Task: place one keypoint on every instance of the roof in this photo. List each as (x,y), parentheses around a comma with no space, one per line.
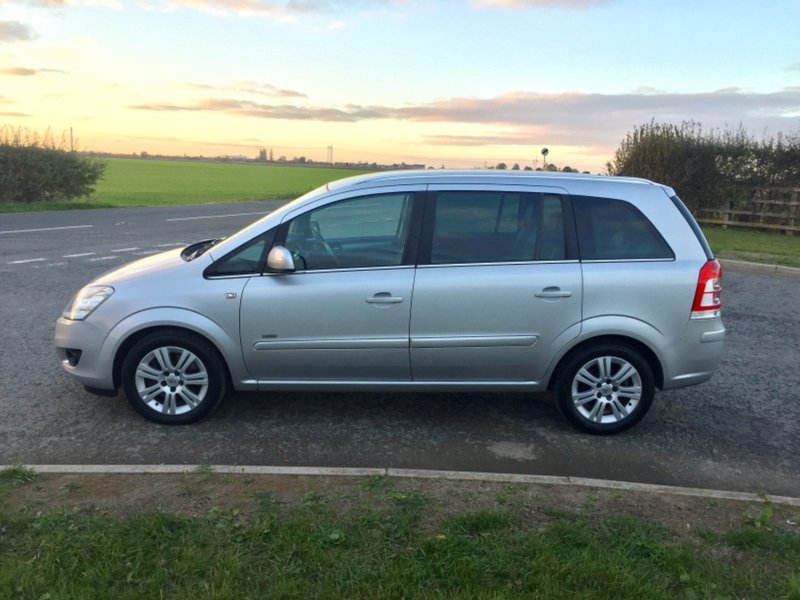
(488,176)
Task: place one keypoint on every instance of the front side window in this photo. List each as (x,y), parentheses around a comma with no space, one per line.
(611,229)
(368,231)
(476,227)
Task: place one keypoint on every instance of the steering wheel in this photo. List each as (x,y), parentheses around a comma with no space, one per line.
(320,239)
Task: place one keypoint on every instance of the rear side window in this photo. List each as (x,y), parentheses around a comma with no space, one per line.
(610,229)
(480,227)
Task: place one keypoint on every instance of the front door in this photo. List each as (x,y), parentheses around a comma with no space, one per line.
(344,314)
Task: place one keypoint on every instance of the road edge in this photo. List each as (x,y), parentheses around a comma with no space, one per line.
(759,267)
(410,474)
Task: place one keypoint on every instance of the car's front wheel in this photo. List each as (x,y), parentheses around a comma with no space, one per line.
(173,377)
(605,388)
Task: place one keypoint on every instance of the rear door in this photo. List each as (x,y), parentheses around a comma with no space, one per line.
(498,286)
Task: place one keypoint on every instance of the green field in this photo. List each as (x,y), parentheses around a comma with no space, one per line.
(139,182)
(151,182)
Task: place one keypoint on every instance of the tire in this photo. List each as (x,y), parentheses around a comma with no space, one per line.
(605,388)
(173,377)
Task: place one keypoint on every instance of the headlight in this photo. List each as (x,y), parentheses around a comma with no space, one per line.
(86,301)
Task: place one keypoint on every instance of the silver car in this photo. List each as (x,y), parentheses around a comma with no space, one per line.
(600,289)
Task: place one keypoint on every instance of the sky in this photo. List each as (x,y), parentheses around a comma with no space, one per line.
(456,83)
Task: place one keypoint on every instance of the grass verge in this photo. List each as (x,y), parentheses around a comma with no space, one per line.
(203,535)
(754,246)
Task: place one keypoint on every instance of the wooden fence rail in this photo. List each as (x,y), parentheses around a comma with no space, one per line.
(775,209)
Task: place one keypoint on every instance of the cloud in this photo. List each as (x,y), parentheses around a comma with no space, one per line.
(528,108)
(17,71)
(290,10)
(247,108)
(14,31)
(7,113)
(523,4)
(249,87)
(265,8)
(25,72)
(595,121)
(509,138)
(794,67)
(37,3)
(164,107)
(64,3)
(277,9)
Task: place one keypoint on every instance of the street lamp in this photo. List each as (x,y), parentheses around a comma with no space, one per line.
(545,152)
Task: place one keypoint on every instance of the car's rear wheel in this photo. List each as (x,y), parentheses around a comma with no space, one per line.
(173,377)
(605,388)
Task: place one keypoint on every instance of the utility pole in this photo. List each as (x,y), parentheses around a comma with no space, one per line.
(71,143)
(330,155)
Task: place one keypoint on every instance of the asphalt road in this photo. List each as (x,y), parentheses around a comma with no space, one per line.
(736,432)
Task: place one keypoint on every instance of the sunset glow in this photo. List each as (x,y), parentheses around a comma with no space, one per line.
(459,83)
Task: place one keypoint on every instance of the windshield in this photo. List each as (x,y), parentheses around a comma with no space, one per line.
(258,227)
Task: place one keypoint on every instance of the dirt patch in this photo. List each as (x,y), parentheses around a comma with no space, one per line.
(195,494)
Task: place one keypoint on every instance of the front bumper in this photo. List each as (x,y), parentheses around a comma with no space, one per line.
(94,367)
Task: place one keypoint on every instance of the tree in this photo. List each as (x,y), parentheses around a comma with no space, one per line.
(35,168)
(501,166)
(515,167)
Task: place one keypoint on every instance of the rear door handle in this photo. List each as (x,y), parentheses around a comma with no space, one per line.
(553,292)
(384,298)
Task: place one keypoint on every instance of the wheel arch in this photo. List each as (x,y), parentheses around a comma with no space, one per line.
(136,327)
(646,352)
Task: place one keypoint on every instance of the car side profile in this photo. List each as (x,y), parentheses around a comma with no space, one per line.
(601,289)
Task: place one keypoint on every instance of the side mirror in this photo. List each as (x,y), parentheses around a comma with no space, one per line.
(280,260)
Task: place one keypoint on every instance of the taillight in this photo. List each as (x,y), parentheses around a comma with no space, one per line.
(707,303)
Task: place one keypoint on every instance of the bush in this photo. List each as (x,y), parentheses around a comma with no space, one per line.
(678,156)
(34,169)
(745,161)
(704,168)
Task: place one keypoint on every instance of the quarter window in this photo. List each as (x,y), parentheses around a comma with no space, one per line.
(368,231)
(611,229)
(476,227)
(245,260)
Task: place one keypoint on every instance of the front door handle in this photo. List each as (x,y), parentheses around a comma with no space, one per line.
(384,298)
(553,292)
